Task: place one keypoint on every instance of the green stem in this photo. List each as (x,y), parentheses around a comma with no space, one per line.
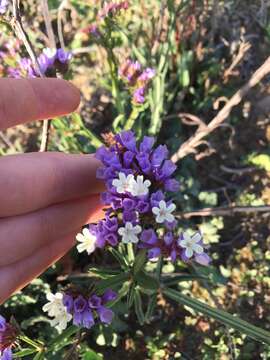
(131,120)
(30,342)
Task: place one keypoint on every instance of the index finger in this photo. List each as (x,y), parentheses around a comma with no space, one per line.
(26,100)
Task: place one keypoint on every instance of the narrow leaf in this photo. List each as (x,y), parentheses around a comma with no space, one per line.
(138,307)
(139,261)
(222,316)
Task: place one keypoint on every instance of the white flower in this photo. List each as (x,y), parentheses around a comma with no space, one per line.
(50,52)
(139,187)
(55,308)
(129,233)
(61,321)
(123,183)
(87,240)
(163,213)
(191,244)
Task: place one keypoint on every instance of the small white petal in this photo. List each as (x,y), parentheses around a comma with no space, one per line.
(171,207)
(188,252)
(170,218)
(198,249)
(197,237)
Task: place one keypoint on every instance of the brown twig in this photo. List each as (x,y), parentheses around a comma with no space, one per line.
(59,22)
(225,211)
(190,145)
(17,25)
(48,23)
(243,48)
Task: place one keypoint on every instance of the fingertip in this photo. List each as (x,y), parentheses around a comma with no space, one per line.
(56,97)
(72,95)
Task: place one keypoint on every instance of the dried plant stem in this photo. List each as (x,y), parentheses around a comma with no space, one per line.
(17,25)
(48,23)
(190,145)
(59,22)
(225,211)
(22,35)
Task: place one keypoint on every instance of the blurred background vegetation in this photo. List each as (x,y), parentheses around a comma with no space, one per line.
(203,52)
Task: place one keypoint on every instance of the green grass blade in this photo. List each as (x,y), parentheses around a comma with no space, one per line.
(220,315)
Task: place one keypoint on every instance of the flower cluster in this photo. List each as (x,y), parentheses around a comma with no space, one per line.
(83,310)
(139,179)
(136,78)
(54,59)
(50,61)
(112,8)
(8,335)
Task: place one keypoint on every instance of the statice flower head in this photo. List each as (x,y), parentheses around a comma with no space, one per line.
(86,311)
(111,9)
(136,78)
(8,335)
(139,179)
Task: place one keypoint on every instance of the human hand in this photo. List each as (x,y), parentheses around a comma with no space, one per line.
(45,198)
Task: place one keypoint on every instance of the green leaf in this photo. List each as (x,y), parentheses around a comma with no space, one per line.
(131,295)
(25,352)
(139,261)
(220,315)
(119,257)
(91,355)
(39,356)
(66,334)
(104,272)
(147,281)
(138,307)
(112,282)
(151,307)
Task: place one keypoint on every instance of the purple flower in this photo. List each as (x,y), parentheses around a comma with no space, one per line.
(128,158)
(147,75)
(167,169)
(203,259)
(6,354)
(112,239)
(159,155)
(80,304)
(105,314)
(149,237)
(109,295)
(68,302)
(111,224)
(8,335)
(156,197)
(88,319)
(94,301)
(63,56)
(154,253)
(144,162)
(168,238)
(127,139)
(139,95)
(143,206)
(171,185)
(147,144)
(3,323)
